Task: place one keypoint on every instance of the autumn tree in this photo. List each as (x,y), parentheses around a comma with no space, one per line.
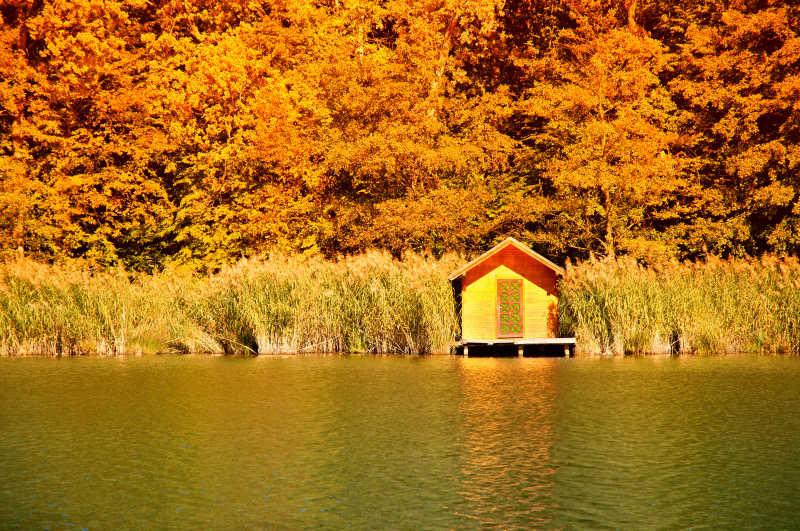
(739,75)
(197,132)
(608,136)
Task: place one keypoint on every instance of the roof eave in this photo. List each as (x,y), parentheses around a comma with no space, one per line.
(499,247)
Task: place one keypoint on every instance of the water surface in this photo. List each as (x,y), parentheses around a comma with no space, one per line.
(391,442)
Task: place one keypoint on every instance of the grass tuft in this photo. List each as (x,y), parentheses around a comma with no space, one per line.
(713,307)
(367,303)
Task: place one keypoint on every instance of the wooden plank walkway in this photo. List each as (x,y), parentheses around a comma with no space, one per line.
(566,341)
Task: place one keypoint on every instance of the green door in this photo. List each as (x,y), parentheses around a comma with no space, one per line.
(509,308)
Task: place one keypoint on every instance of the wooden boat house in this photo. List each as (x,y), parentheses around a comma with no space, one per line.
(509,296)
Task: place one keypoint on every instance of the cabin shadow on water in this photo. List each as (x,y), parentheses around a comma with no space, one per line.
(507,304)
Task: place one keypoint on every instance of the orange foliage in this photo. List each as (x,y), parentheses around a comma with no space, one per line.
(198,132)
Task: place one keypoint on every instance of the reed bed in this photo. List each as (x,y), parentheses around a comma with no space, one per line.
(372,303)
(712,307)
(367,303)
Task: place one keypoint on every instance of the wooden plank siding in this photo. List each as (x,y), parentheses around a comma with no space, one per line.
(479,296)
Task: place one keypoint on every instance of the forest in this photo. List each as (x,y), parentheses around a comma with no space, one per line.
(152,133)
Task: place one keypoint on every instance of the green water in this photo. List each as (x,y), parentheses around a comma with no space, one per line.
(394,443)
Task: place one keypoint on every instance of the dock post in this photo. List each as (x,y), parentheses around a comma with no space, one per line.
(566,350)
(466,351)
(520,351)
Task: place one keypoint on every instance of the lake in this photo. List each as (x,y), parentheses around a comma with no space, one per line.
(399,442)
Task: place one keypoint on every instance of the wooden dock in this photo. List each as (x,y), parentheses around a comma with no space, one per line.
(567,342)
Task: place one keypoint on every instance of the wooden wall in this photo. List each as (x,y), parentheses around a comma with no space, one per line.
(479,296)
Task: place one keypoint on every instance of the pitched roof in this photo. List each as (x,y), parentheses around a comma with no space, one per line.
(499,247)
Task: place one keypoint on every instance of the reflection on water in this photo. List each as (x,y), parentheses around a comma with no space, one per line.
(382,442)
(507,409)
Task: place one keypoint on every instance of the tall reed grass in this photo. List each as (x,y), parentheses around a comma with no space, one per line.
(367,303)
(372,303)
(711,307)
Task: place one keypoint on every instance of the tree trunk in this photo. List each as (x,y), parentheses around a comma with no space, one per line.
(630,5)
(438,72)
(610,248)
